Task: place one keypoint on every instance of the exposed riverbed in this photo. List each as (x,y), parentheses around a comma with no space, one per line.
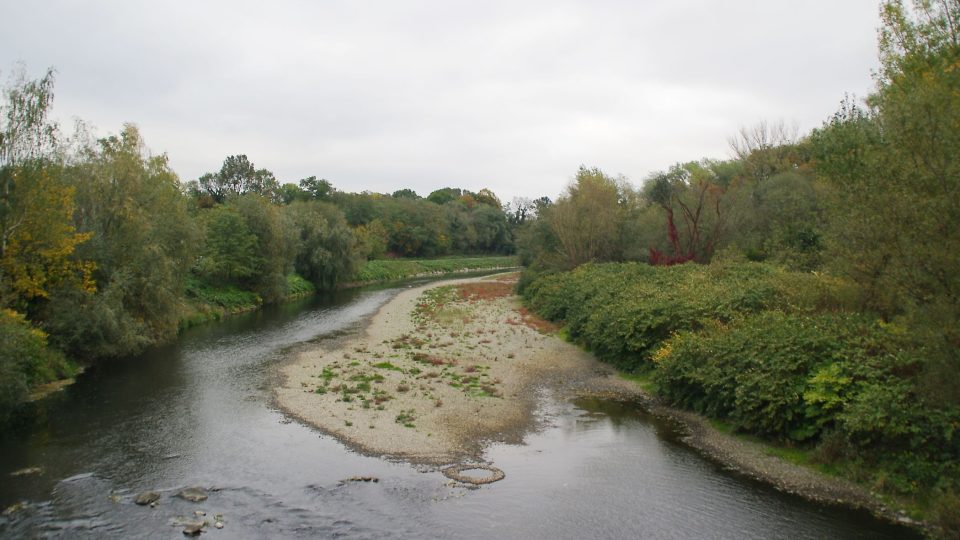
(200,413)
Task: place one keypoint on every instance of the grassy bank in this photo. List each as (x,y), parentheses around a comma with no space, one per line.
(211,303)
(395,269)
(779,355)
(208,302)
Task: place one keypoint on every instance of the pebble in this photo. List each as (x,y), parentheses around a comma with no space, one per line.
(193,494)
(193,528)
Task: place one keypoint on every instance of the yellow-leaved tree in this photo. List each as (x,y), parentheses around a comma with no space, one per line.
(37,235)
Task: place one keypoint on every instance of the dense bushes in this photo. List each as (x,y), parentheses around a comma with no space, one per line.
(841,380)
(624,311)
(25,361)
(778,354)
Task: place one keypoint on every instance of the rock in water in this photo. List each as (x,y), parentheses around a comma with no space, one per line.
(147,497)
(194,528)
(193,494)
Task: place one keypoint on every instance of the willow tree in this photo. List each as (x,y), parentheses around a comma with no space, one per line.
(142,240)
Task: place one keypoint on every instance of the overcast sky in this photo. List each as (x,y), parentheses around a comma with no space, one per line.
(380,95)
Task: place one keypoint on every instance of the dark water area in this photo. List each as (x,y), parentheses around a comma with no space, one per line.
(199,413)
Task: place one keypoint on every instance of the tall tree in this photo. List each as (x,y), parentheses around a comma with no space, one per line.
(692,190)
(37,236)
(237,176)
(894,169)
(324,243)
(143,240)
(587,220)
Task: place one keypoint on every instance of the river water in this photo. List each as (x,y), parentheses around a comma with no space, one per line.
(198,413)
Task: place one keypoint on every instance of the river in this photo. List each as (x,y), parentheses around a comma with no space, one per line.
(199,413)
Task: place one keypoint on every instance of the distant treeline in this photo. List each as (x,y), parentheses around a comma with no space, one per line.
(845,339)
(103,251)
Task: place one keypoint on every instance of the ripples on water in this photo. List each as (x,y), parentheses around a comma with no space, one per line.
(198,413)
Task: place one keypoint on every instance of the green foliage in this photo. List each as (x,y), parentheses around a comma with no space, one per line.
(832,377)
(324,246)
(275,246)
(238,176)
(779,354)
(449,221)
(142,240)
(894,174)
(624,311)
(371,240)
(587,222)
(37,235)
(319,190)
(297,286)
(395,269)
(227,297)
(444,195)
(230,252)
(25,361)
(780,220)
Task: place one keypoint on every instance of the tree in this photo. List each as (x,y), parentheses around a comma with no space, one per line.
(371,240)
(416,228)
(492,230)
(39,239)
(444,195)
(37,236)
(142,240)
(405,193)
(237,176)
(324,245)
(275,247)
(288,193)
(320,190)
(692,189)
(587,220)
(460,227)
(895,176)
(765,149)
(519,210)
(487,197)
(230,254)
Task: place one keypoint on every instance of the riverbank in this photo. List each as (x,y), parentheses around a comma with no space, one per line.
(208,303)
(760,462)
(440,372)
(445,369)
(383,270)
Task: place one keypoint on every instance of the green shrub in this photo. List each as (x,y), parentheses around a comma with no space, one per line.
(832,377)
(774,374)
(298,286)
(779,354)
(624,311)
(25,361)
(228,297)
